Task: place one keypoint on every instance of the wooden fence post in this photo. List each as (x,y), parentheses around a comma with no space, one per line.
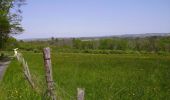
(25,66)
(80,94)
(27,73)
(48,72)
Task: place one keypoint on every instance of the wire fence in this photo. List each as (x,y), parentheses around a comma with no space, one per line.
(58,90)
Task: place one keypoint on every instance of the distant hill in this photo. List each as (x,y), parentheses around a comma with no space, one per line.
(127,36)
(102,37)
(145,35)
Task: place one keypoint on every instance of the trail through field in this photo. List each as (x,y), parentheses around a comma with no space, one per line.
(3,65)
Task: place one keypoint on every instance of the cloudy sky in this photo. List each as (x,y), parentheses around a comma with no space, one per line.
(79,18)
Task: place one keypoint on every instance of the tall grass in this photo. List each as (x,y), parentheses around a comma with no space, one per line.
(104,77)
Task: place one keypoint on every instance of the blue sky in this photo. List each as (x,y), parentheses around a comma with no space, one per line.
(74,18)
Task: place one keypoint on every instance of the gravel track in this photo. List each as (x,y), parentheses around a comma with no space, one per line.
(3,66)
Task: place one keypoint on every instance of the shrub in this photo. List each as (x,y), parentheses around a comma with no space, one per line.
(2,56)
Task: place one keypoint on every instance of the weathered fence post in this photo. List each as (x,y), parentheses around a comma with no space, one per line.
(25,66)
(27,73)
(80,94)
(48,72)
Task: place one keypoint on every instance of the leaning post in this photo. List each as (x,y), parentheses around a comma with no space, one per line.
(48,72)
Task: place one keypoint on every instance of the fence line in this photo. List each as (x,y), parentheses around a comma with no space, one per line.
(49,79)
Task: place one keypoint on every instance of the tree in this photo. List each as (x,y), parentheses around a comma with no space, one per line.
(10,18)
(77,43)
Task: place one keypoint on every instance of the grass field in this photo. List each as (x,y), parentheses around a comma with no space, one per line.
(104,77)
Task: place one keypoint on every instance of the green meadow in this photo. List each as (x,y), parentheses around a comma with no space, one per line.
(104,77)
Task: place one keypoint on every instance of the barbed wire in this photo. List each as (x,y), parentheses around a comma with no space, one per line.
(64,92)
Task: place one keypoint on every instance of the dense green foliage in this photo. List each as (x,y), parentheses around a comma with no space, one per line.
(10,18)
(104,77)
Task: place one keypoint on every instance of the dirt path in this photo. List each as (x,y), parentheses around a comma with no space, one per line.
(3,66)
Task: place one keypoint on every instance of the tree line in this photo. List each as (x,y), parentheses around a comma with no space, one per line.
(147,44)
